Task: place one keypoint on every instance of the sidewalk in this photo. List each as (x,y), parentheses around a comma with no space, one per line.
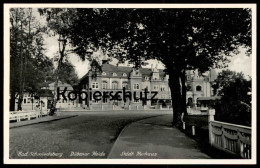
(155,138)
(39,120)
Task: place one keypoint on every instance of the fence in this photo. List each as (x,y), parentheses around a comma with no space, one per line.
(20,115)
(235,139)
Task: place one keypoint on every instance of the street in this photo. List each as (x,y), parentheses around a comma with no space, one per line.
(88,135)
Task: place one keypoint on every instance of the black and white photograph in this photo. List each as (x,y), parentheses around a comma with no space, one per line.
(130,83)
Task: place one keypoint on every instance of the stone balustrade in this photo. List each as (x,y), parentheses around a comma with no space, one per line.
(232,138)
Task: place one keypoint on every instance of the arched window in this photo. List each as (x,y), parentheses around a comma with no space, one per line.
(125,85)
(114,85)
(104,85)
(136,86)
(198,88)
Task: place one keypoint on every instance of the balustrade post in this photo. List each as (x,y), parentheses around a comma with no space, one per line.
(193,130)
(211,113)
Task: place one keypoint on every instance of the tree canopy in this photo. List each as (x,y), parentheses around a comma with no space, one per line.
(235,103)
(29,67)
(181,39)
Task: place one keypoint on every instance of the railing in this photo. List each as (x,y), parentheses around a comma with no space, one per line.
(197,111)
(235,139)
(19,115)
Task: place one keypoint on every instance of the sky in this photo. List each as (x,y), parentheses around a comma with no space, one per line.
(239,62)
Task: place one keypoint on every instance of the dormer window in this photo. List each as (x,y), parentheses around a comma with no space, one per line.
(104,73)
(114,74)
(124,74)
(146,78)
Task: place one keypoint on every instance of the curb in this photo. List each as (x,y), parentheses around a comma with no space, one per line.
(109,110)
(123,130)
(55,119)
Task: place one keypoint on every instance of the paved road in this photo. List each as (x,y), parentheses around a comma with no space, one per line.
(155,138)
(89,135)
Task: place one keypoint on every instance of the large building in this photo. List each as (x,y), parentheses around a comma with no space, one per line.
(115,78)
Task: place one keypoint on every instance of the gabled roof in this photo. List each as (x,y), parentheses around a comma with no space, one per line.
(120,70)
(60,85)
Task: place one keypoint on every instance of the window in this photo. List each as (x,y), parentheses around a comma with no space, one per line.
(24,101)
(156,87)
(162,87)
(104,100)
(114,74)
(137,100)
(136,86)
(114,85)
(124,74)
(104,73)
(125,85)
(163,96)
(198,88)
(104,85)
(95,85)
(146,78)
(95,101)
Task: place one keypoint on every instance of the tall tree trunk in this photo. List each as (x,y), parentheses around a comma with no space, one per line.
(174,84)
(184,92)
(12,101)
(20,100)
(62,47)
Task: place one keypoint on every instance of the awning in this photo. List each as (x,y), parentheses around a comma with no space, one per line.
(209,98)
(45,93)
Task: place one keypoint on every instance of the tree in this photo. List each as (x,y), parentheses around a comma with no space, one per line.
(27,60)
(235,103)
(67,74)
(58,22)
(181,39)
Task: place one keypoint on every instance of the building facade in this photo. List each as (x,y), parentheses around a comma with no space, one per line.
(114,78)
(63,102)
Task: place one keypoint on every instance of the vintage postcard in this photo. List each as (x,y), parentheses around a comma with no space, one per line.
(129,83)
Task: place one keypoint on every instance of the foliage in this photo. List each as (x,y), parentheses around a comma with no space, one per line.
(67,73)
(181,39)
(235,103)
(29,67)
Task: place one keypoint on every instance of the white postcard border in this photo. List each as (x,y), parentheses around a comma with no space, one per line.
(124,161)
